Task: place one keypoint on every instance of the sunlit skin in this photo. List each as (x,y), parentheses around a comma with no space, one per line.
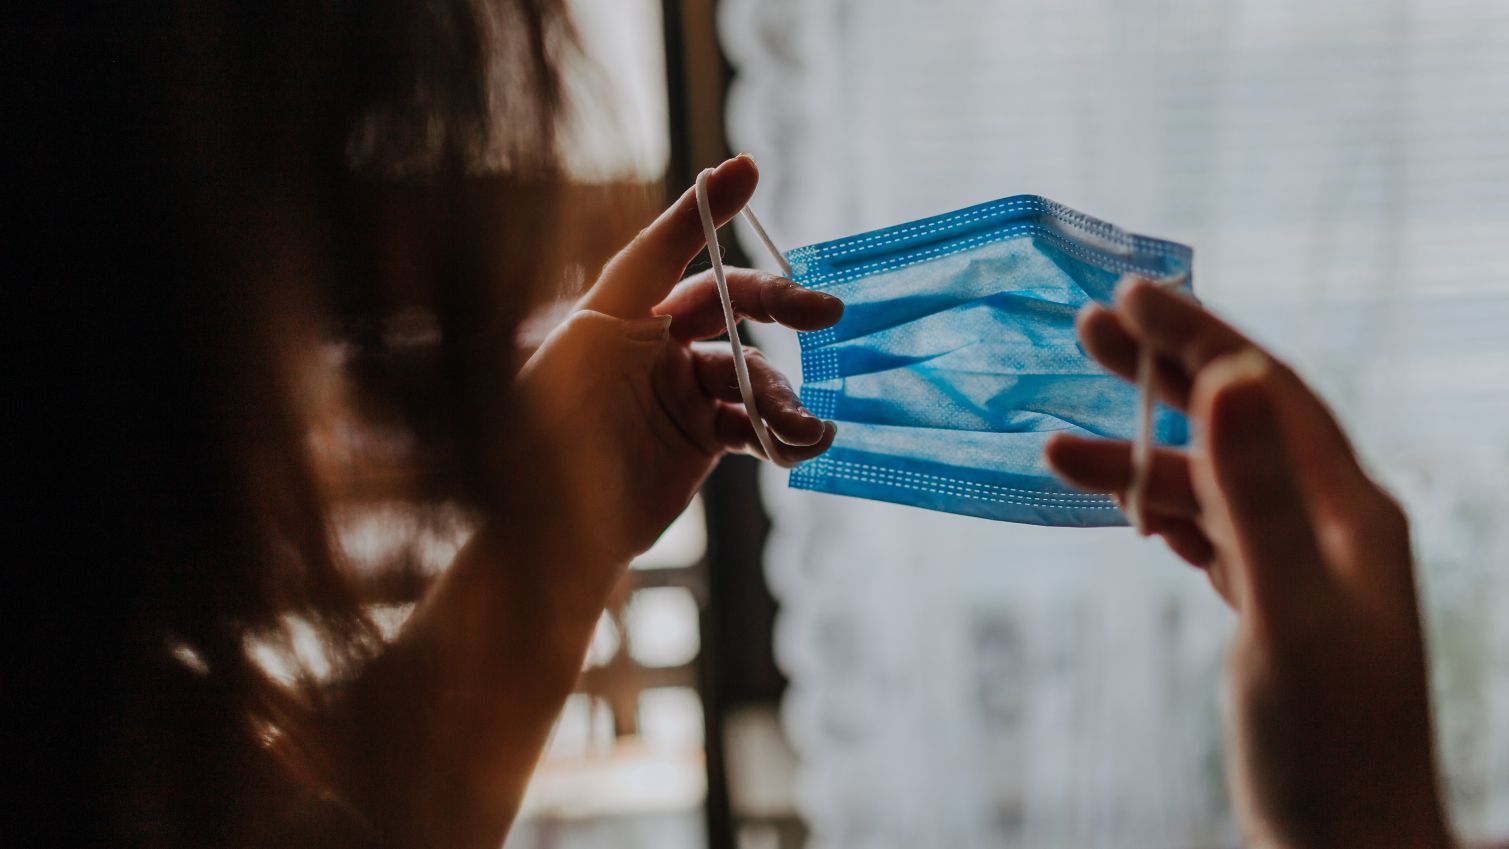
(1330,735)
(1329,739)
(633,411)
(642,407)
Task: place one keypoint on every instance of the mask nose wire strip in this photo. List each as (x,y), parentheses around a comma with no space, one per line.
(1142,447)
(741,367)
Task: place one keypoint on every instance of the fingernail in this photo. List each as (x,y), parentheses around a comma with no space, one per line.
(1248,365)
(826,299)
(651,329)
(731,160)
(1245,365)
(1246,415)
(791,289)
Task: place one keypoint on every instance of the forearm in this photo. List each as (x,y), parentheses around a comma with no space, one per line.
(448,725)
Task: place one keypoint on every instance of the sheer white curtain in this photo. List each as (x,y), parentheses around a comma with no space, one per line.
(1342,169)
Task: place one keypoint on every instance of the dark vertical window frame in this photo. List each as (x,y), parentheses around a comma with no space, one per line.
(736,664)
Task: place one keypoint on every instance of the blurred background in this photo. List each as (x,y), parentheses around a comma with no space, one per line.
(791,669)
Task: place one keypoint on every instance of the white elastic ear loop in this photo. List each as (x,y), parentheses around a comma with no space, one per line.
(1142,448)
(741,368)
(754,224)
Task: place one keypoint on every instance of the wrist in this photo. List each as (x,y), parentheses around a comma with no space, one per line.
(537,565)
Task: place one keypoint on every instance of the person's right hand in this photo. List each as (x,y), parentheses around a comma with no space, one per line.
(639,408)
(1330,738)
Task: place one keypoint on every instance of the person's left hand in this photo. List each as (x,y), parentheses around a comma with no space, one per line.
(638,409)
(1329,731)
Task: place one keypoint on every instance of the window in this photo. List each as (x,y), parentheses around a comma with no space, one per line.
(625,764)
(1341,169)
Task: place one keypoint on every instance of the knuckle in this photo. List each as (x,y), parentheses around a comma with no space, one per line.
(590,325)
(642,241)
(684,214)
(1376,518)
(1223,392)
(1285,379)
(1276,375)
(584,320)
(1386,512)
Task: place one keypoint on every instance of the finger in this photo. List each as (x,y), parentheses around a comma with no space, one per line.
(697,310)
(1184,537)
(641,275)
(1104,465)
(1109,342)
(736,433)
(1247,487)
(776,401)
(1330,473)
(1175,325)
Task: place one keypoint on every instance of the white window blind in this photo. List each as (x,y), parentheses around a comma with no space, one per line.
(1342,169)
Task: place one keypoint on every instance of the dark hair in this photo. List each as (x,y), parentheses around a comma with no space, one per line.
(219,197)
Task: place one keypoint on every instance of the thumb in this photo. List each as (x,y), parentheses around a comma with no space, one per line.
(656,328)
(1246,480)
(645,271)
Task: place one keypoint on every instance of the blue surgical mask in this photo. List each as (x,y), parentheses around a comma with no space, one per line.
(957,358)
